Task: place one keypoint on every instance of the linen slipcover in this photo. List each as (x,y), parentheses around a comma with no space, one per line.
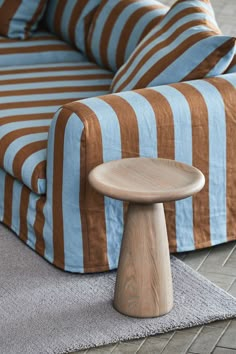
(79,230)
(18,18)
(232,67)
(41,48)
(29,96)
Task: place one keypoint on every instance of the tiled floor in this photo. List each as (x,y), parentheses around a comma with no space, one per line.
(218,264)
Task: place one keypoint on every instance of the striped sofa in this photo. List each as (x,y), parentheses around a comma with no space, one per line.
(58,120)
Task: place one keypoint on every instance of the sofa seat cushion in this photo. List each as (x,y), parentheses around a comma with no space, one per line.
(41,48)
(29,97)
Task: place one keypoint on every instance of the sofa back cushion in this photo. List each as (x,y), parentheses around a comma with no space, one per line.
(117,28)
(71,19)
(19,18)
(186,45)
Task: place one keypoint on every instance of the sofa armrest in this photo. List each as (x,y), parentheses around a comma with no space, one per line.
(184,121)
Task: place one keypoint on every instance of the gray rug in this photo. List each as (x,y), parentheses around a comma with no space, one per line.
(44,310)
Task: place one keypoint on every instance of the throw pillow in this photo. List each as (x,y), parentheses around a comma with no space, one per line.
(232,66)
(186,45)
(117,28)
(71,19)
(19,18)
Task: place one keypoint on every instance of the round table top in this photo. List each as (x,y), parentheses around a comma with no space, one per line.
(146,180)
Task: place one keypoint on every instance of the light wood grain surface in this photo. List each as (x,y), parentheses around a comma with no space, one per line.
(144,283)
(146,180)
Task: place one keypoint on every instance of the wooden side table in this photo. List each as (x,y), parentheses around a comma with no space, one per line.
(144,283)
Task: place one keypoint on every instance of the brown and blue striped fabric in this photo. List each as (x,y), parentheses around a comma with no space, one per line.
(19,18)
(117,28)
(29,96)
(79,230)
(232,66)
(71,19)
(41,48)
(186,45)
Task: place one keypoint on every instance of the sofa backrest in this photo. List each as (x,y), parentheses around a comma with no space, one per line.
(118,26)
(70,19)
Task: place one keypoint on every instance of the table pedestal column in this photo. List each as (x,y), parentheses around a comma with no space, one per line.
(144,283)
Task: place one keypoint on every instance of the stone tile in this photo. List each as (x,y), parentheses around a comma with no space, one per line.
(128,347)
(154,346)
(181,341)
(218,260)
(101,350)
(219,324)
(222,280)
(232,289)
(228,340)
(136,342)
(196,258)
(163,336)
(230,263)
(206,340)
(219,350)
